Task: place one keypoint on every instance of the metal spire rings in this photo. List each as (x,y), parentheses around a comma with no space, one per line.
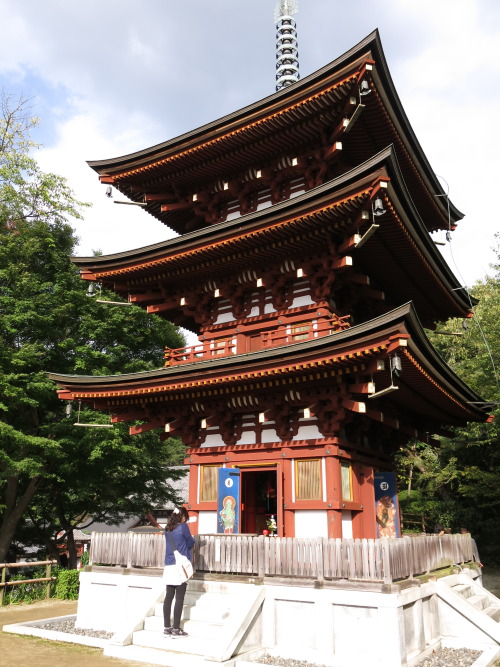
(287,54)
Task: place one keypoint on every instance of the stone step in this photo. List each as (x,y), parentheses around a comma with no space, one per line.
(203,585)
(464,590)
(479,601)
(216,614)
(194,628)
(198,646)
(153,656)
(211,598)
(493,612)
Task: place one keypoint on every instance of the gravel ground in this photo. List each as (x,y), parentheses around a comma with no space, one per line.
(286,662)
(451,657)
(444,657)
(69,626)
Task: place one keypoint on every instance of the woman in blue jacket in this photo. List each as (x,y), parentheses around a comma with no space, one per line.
(178,531)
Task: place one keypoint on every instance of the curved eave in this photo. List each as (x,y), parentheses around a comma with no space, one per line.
(393,103)
(368,49)
(413,246)
(342,350)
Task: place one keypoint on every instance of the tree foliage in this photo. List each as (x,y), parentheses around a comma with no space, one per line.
(47,322)
(456,483)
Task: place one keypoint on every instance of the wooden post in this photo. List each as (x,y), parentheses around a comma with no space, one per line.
(320,545)
(260,556)
(48,571)
(2,587)
(386,560)
(129,551)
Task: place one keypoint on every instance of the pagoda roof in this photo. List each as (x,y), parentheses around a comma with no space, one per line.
(401,255)
(426,386)
(256,133)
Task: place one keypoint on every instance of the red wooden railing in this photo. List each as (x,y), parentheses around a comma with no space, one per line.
(287,335)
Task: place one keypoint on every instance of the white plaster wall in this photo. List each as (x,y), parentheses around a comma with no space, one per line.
(342,628)
(207,523)
(268,435)
(308,432)
(346,524)
(352,623)
(247,438)
(224,317)
(213,440)
(302,301)
(109,601)
(311,523)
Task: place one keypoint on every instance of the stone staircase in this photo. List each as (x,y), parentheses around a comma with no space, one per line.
(469,614)
(221,618)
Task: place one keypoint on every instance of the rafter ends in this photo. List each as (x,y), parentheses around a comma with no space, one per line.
(362,388)
(354,406)
(375,366)
(107,180)
(147,426)
(343,262)
(349,244)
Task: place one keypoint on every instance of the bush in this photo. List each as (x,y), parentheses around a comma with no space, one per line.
(67,584)
(26,593)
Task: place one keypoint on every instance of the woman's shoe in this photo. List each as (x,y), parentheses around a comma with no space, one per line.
(167,632)
(177,632)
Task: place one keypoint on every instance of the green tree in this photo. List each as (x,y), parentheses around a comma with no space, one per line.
(47,322)
(456,481)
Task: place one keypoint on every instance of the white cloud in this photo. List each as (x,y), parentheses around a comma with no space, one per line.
(108,227)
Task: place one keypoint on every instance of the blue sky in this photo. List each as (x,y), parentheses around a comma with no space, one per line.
(108,78)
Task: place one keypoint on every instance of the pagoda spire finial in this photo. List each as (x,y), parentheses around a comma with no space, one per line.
(287,55)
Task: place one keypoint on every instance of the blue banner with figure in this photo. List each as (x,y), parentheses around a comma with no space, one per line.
(386,504)
(228,501)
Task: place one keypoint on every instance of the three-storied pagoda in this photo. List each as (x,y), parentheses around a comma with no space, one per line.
(305,264)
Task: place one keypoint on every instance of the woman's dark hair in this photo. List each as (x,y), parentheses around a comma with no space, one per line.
(176,517)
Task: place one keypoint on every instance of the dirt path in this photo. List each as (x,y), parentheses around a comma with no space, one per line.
(23,651)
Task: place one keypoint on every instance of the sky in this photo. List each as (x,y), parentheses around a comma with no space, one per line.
(109,77)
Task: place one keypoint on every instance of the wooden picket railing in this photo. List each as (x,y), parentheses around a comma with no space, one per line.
(385,560)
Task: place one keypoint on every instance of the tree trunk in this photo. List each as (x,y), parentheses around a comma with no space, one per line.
(15,508)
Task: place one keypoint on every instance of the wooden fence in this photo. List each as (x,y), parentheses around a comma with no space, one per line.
(48,579)
(385,560)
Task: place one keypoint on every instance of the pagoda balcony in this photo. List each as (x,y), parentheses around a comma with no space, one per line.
(240,343)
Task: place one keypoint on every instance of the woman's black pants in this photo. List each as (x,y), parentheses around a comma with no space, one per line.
(178,592)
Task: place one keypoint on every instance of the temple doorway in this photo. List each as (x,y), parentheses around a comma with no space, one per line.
(258,499)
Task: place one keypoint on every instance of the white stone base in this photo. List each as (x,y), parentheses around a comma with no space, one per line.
(334,625)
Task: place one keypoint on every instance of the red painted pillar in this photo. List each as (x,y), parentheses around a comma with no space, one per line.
(364,525)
